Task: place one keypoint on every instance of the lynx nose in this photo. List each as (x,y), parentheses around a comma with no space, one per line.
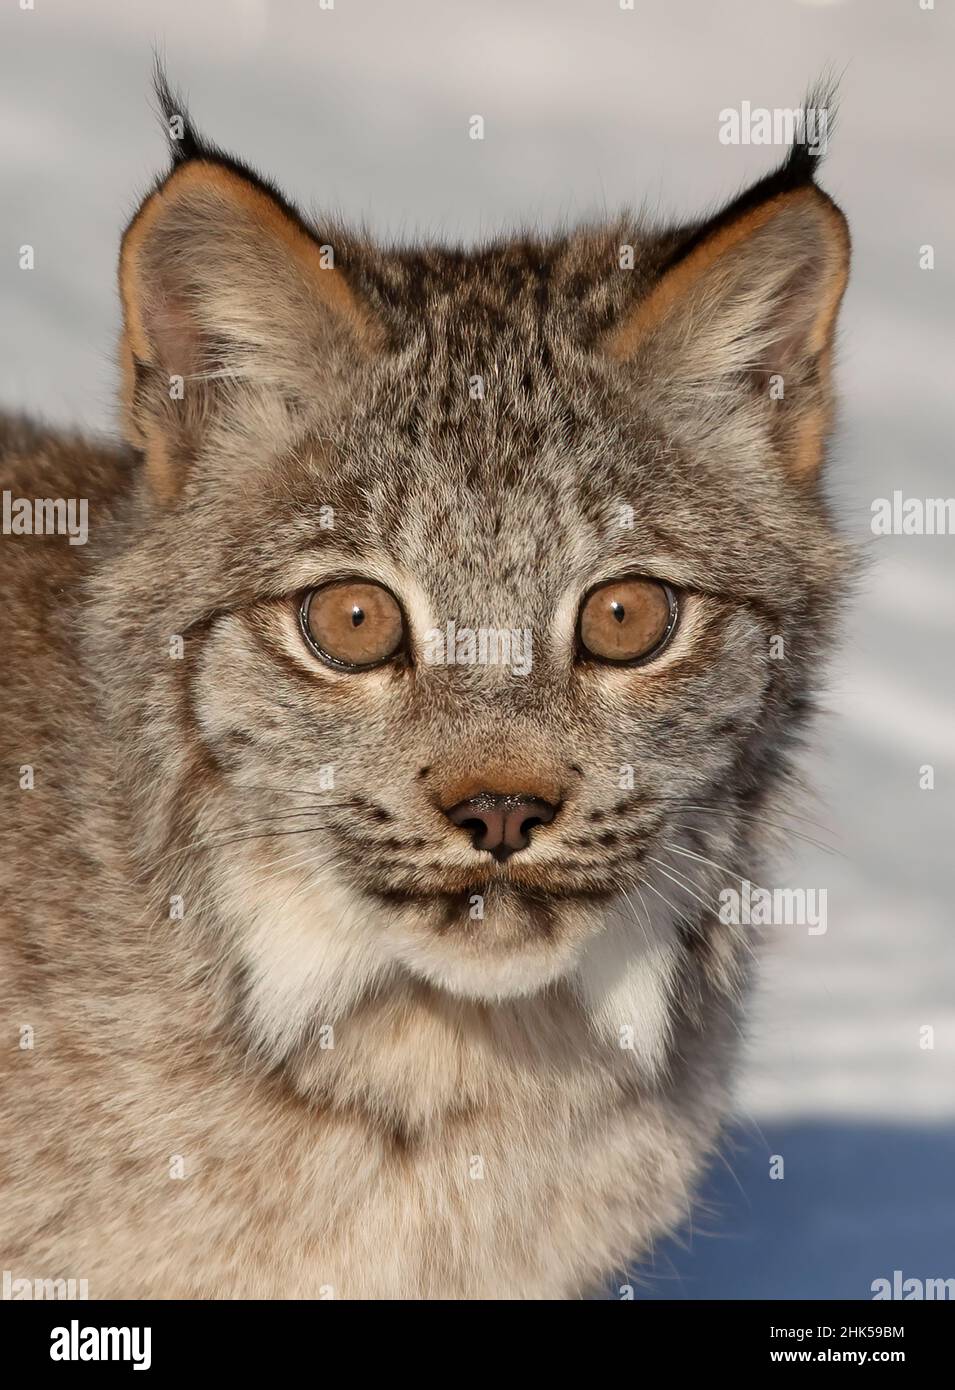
(501,824)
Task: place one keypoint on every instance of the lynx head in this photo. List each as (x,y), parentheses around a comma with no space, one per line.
(478,558)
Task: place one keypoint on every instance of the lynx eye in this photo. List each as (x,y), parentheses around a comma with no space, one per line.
(352,623)
(627,620)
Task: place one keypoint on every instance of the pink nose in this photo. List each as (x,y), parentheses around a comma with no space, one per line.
(501,824)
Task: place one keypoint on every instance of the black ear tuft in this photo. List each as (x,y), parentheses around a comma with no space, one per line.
(798,170)
(802,163)
(185,142)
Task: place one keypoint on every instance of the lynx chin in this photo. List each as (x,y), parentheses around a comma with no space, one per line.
(326,1070)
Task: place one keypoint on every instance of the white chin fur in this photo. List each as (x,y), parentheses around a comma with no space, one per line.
(515,974)
(625,981)
(311,953)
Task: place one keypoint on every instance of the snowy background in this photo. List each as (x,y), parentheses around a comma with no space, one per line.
(364,109)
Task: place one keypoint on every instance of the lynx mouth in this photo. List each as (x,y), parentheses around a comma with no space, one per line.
(461,899)
(405,885)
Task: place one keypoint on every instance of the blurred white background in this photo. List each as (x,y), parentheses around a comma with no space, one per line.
(363,110)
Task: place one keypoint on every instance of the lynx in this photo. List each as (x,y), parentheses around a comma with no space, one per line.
(328,970)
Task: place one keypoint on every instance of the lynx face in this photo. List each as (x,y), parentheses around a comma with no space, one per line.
(480,562)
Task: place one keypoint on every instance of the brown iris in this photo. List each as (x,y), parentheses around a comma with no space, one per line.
(627,620)
(352,623)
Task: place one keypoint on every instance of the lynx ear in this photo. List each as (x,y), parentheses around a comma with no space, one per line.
(750,305)
(223,285)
